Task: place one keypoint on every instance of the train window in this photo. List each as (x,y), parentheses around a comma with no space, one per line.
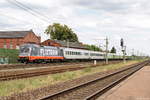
(86,54)
(25,50)
(79,53)
(68,53)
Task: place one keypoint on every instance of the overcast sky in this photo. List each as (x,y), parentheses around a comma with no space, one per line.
(90,20)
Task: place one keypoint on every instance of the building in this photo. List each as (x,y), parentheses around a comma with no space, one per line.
(13,39)
(59,43)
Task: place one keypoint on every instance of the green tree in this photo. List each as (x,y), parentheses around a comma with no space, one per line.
(61,32)
(93,48)
(113,50)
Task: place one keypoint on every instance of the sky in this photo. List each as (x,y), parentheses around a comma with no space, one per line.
(91,20)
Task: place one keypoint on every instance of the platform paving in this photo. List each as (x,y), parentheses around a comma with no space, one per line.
(136,87)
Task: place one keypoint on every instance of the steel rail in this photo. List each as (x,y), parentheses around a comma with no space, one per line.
(89,82)
(111,85)
(31,73)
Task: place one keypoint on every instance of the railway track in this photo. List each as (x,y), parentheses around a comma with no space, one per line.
(32,74)
(19,66)
(19,74)
(22,66)
(94,88)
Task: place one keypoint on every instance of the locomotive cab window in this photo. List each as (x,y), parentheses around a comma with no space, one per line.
(24,50)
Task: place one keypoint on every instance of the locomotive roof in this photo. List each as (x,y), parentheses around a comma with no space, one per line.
(49,47)
(14,34)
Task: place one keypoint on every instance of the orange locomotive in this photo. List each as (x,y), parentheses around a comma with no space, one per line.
(36,53)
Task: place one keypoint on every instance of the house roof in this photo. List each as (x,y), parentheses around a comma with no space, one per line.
(14,34)
(71,44)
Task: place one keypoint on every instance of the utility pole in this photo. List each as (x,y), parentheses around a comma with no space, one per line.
(107,50)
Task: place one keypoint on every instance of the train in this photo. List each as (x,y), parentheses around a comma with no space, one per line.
(38,54)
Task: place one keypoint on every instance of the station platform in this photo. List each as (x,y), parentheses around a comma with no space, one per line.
(136,87)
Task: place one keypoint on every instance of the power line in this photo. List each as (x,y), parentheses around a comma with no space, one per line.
(25,9)
(13,18)
(29,10)
(32,10)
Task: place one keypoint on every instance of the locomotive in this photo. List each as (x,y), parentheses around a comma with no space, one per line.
(36,53)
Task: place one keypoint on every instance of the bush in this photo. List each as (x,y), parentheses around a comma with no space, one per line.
(11,54)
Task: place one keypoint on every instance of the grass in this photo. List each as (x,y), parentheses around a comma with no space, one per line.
(9,87)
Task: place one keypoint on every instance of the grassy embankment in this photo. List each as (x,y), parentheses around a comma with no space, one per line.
(9,87)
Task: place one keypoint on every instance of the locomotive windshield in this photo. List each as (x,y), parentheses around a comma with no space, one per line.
(24,50)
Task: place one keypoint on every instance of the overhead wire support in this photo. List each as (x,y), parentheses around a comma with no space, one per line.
(107,50)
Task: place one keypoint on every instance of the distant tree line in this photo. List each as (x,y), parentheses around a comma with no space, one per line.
(93,47)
